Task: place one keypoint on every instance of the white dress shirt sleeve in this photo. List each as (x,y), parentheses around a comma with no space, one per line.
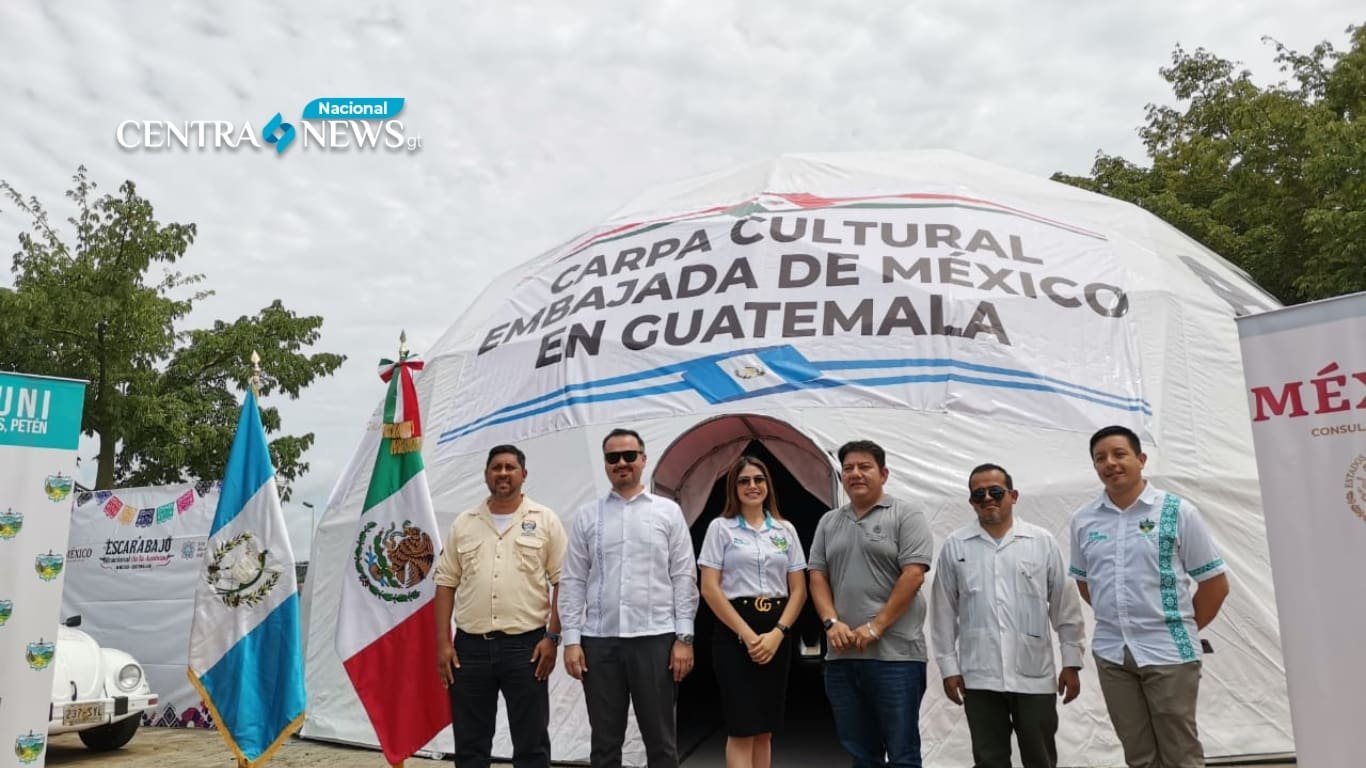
(796,558)
(574,578)
(944,613)
(713,554)
(683,574)
(1078,568)
(1064,609)
(1198,554)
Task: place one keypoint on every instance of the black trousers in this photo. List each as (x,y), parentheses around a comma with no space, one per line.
(1033,717)
(488,666)
(631,671)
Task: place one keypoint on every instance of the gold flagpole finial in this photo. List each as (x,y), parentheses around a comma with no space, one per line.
(402,343)
(255,373)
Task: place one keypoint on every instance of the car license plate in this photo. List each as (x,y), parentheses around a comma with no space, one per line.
(81,714)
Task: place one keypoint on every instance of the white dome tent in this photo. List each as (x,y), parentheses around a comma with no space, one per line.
(953,311)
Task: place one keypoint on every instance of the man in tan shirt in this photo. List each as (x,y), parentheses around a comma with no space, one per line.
(500,571)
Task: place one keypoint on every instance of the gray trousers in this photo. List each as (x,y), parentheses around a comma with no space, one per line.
(1153,711)
(631,671)
(994,715)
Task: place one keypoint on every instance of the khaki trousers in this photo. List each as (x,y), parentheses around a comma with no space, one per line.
(1153,711)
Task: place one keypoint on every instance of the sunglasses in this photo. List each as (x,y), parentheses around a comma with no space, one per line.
(751,480)
(979,495)
(613,457)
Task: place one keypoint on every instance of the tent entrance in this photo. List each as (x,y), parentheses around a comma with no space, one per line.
(692,472)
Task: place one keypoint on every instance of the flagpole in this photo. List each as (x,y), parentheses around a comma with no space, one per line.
(255,383)
(380,636)
(216,674)
(403,354)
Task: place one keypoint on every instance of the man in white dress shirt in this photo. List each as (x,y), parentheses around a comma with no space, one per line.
(1135,551)
(1001,583)
(628,597)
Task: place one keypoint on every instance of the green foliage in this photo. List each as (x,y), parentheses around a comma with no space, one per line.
(162,401)
(1272,178)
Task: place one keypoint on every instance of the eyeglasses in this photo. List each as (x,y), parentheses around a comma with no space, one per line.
(751,480)
(979,495)
(613,457)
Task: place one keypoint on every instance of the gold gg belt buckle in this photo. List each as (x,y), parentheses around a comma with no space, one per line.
(763,604)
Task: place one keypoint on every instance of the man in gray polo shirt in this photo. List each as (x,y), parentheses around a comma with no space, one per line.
(868,561)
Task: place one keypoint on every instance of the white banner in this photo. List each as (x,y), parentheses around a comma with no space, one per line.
(132,563)
(812,301)
(1306,375)
(40,425)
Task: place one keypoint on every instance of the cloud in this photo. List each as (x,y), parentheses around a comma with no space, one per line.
(541,118)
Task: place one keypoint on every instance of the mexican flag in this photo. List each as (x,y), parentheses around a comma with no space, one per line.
(386,626)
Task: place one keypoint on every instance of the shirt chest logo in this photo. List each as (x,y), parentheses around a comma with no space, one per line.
(528,527)
(1095,536)
(779,541)
(1146,527)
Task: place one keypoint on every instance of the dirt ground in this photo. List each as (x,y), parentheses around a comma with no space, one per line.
(188,748)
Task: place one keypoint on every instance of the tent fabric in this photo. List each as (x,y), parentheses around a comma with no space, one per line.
(688,468)
(1024,315)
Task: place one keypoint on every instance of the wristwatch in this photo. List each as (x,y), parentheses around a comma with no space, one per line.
(553,637)
(830,622)
(783,628)
(684,639)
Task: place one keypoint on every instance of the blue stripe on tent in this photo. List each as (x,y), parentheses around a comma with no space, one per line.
(938,378)
(492,418)
(845,365)
(257,688)
(249,465)
(882,381)
(624,394)
(628,378)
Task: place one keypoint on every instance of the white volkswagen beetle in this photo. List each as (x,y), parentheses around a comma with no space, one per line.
(100,692)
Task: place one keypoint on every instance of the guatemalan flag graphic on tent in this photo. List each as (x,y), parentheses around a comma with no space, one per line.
(386,625)
(245,646)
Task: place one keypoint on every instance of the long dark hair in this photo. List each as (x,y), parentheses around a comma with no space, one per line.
(732,507)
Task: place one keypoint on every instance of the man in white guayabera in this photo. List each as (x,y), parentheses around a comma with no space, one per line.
(1001,583)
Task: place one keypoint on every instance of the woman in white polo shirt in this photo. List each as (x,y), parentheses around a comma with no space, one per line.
(754,580)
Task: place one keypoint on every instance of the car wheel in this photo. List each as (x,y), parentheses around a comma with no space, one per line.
(111,736)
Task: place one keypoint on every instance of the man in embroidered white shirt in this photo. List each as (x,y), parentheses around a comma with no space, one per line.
(1135,551)
(1001,583)
(628,597)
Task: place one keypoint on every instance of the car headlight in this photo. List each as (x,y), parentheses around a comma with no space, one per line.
(129,677)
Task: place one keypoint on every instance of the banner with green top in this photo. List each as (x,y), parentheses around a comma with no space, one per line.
(40,427)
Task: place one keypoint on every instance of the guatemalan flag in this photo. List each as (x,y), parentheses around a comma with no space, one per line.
(386,625)
(246,655)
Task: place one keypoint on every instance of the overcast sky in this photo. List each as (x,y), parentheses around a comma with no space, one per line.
(539,119)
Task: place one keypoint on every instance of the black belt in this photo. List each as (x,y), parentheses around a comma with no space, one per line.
(760,604)
(495,635)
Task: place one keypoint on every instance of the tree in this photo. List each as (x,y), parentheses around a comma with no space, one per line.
(162,401)
(1272,178)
